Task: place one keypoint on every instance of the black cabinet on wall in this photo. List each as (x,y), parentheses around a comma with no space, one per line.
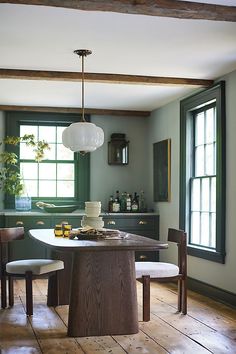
(141,224)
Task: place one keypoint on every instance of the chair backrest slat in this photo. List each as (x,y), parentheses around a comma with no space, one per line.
(180,237)
(175,235)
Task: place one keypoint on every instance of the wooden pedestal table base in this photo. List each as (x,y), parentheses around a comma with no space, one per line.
(103,294)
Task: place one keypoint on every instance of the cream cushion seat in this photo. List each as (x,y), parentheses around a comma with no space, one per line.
(36,266)
(156,269)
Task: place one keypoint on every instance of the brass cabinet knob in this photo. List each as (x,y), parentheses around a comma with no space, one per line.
(19,222)
(142,222)
(142,257)
(40,222)
(111,222)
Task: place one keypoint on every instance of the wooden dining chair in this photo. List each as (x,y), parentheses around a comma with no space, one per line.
(7,235)
(166,272)
(31,269)
(25,268)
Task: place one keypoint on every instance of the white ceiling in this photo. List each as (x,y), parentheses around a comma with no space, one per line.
(44,38)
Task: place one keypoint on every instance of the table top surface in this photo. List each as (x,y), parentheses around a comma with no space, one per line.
(130,242)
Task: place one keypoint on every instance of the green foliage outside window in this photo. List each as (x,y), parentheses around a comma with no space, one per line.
(11,181)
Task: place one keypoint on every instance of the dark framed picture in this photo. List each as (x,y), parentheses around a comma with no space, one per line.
(161,170)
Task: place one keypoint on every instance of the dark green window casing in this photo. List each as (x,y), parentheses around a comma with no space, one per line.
(216,94)
(82,173)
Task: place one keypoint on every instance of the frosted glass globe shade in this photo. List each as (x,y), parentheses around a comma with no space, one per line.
(83,136)
(65,138)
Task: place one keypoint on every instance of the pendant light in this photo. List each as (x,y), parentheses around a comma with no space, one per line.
(83,136)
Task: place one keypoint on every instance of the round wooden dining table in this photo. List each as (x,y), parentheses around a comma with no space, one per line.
(103,298)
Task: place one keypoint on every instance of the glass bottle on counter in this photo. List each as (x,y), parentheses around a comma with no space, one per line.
(128,203)
(110,204)
(116,206)
(134,204)
(118,196)
(123,202)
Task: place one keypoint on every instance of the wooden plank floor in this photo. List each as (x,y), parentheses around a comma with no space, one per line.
(209,327)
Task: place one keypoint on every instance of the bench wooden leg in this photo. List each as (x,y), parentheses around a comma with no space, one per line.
(184,296)
(29,294)
(3,291)
(180,296)
(10,291)
(146,297)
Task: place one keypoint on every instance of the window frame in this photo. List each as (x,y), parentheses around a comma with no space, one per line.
(82,174)
(187,106)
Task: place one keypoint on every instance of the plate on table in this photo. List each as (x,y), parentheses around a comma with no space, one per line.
(59,208)
(97,234)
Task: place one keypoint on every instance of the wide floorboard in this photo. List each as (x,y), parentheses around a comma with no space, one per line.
(209,327)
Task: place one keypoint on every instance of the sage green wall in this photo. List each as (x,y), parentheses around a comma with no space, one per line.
(106,179)
(164,123)
(1,137)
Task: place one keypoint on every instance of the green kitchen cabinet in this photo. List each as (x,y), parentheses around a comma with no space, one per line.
(140,224)
(74,220)
(27,248)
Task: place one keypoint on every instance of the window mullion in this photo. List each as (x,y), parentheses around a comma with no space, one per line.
(200,211)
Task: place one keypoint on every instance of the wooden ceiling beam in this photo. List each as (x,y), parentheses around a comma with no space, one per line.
(162,8)
(93,111)
(100,78)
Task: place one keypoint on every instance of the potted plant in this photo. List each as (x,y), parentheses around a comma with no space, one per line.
(11,181)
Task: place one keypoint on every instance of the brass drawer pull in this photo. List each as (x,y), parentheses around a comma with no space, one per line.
(142,222)
(142,258)
(19,222)
(111,222)
(40,222)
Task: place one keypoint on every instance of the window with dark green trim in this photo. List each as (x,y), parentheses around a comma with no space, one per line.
(63,176)
(202,172)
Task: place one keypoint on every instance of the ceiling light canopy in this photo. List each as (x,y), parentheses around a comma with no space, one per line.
(83,136)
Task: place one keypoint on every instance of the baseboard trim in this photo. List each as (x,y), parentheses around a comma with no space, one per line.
(213,292)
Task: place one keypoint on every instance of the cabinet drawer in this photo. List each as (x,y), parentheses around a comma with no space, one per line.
(29,222)
(27,248)
(75,221)
(147,233)
(147,256)
(130,223)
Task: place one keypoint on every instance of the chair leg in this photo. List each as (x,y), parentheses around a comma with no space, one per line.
(29,294)
(10,291)
(184,296)
(180,296)
(146,297)
(3,291)
(53,299)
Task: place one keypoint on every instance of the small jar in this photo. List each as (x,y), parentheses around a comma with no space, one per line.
(67,230)
(58,231)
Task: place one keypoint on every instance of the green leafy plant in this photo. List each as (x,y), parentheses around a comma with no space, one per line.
(11,181)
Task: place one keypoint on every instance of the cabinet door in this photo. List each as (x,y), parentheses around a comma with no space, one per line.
(132,223)
(143,225)
(27,248)
(75,220)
